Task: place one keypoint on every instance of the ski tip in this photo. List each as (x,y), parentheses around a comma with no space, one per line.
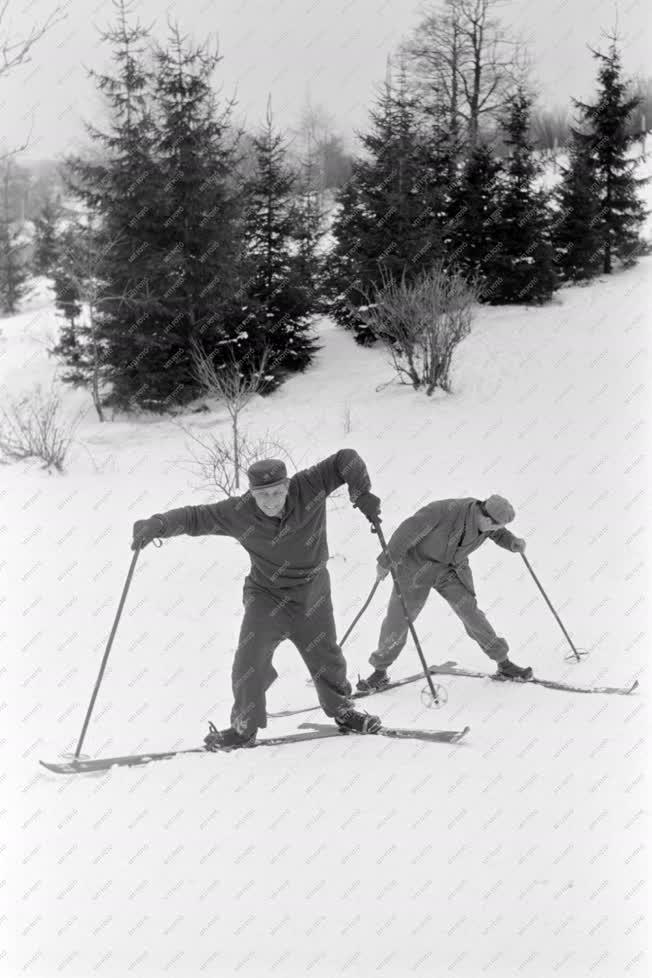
(633,686)
(67,768)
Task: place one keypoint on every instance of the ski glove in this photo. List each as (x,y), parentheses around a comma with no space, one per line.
(369,505)
(145,531)
(518,545)
(381,572)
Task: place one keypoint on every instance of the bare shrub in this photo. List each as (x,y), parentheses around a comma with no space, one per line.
(235,384)
(33,426)
(422,322)
(216,465)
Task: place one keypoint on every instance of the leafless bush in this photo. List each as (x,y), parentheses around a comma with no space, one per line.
(235,384)
(33,426)
(214,461)
(422,322)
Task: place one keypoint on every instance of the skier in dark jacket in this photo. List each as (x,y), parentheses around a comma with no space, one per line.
(430,552)
(281,523)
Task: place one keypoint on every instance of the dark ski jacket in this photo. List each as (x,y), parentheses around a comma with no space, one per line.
(285,551)
(444,532)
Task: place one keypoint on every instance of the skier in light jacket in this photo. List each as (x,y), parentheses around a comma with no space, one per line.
(281,523)
(430,552)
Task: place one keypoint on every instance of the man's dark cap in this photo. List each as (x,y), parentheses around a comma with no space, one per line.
(266,473)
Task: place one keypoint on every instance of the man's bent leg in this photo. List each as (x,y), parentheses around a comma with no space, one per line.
(264,626)
(475,622)
(415,581)
(314,634)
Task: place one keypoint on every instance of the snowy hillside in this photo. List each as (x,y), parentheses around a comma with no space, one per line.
(519,852)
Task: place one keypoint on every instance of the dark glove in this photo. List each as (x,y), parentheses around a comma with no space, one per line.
(145,531)
(369,505)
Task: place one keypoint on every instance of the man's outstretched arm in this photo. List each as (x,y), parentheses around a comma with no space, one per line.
(219,519)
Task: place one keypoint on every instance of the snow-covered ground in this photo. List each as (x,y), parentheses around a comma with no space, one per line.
(519,852)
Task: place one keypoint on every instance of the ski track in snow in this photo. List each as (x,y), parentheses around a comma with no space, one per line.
(519,852)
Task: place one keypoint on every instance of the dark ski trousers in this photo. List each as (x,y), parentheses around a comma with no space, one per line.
(417,578)
(304,616)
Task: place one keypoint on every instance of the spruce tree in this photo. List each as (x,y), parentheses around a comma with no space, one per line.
(278,260)
(389,223)
(120,188)
(473,212)
(14,273)
(608,143)
(198,218)
(82,344)
(66,270)
(577,237)
(521,267)
(46,227)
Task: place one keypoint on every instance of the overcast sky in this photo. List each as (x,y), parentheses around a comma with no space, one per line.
(332,52)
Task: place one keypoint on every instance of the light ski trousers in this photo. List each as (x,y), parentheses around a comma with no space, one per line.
(417,578)
(304,615)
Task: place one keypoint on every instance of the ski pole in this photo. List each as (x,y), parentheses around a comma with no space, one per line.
(107,650)
(359,614)
(548,602)
(433,692)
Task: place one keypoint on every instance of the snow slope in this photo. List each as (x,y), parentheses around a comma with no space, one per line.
(519,852)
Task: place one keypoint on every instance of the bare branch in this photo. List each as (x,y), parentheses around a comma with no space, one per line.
(234,386)
(214,462)
(33,427)
(466,63)
(18,51)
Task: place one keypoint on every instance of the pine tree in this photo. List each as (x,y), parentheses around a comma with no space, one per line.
(577,237)
(82,345)
(436,155)
(473,210)
(198,216)
(121,190)
(389,220)
(13,266)
(521,268)
(278,260)
(46,227)
(608,142)
(65,271)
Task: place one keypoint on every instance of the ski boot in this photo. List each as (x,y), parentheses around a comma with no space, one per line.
(509,670)
(373,683)
(228,739)
(357,722)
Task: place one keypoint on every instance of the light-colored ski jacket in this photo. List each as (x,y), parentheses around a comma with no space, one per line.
(444,532)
